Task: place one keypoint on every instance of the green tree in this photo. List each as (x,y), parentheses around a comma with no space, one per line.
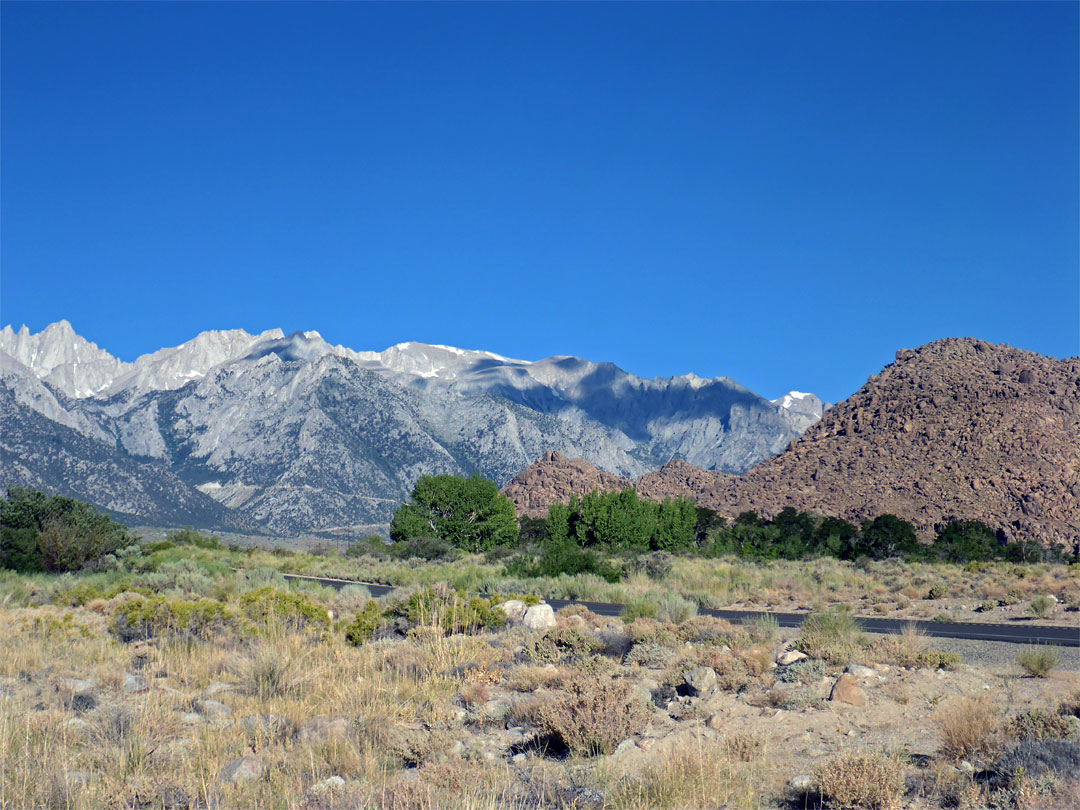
(55,533)
(966,540)
(887,536)
(676,525)
(469,513)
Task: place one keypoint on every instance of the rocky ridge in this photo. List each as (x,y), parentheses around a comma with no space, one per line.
(296,435)
(959,428)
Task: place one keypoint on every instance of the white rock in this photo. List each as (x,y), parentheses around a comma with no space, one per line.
(801,783)
(243,769)
(134,684)
(860,671)
(514,610)
(788,658)
(332,784)
(539,617)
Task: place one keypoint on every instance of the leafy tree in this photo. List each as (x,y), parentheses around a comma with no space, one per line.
(676,525)
(966,540)
(887,536)
(466,512)
(55,533)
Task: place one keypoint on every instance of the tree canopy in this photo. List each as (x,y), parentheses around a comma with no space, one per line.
(469,513)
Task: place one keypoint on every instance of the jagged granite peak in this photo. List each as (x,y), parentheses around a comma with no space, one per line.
(958,428)
(802,409)
(298,435)
(61,357)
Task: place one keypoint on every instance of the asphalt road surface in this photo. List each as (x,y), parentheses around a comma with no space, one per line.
(1019,632)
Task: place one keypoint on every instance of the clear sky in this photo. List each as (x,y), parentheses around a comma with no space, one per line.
(779,193)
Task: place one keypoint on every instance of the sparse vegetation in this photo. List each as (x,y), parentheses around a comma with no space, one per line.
(860,781)
(1038,661)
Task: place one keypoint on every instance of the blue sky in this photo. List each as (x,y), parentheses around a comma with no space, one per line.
(780,193)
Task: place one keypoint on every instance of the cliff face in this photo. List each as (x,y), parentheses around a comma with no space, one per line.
(958,428)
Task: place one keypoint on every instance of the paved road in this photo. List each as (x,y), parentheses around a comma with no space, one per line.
(1017,633)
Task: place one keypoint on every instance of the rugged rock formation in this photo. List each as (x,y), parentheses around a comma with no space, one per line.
(958,428)
(553,479)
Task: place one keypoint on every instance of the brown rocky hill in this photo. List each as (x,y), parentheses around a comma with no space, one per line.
(959,428)
(553,479)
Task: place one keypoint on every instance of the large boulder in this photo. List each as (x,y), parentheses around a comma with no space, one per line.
(539,617)
(243,769)
(847,690)
(513,609)
(700,681)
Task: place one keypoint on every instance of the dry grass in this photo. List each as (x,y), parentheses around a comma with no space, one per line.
(861,781)
(701,776)
(968,728)
(592,715)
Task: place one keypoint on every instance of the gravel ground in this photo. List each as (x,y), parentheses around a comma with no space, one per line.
(998,654)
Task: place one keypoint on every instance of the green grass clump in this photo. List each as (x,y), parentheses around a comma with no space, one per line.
(365,624)
(453,611)
(145,618)
(296,610)
(831,635)
(1038,661)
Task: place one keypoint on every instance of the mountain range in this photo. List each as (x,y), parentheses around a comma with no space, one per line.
(955,429)
(288,433)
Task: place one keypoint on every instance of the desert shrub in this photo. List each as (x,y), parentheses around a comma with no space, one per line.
(650,654)
(1035,758)
(591,716)
(639,607)
(731,672)
(938,659)
(805,671)
(700,777)
(1038,724)
(365,623)
(1039,660)
(937,592)
(424,548)
(191,537)
(295,610)
(558,557)
(265,674)
(764,629)
(560,644)
(986,607)
(1070,706)
(143,618)
(832,635)
(860,781)
(968,728)
(1041,606)
(451,610)
(655,565)
(372,545)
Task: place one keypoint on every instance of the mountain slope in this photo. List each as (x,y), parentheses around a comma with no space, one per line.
(293,433)
(957,428)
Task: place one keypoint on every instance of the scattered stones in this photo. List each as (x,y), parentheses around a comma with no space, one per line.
(320,730)
(513,609)
(716,722)
(847,690)
(539,617)
(701,680)
(134,684)
(789,657)
(243,769)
